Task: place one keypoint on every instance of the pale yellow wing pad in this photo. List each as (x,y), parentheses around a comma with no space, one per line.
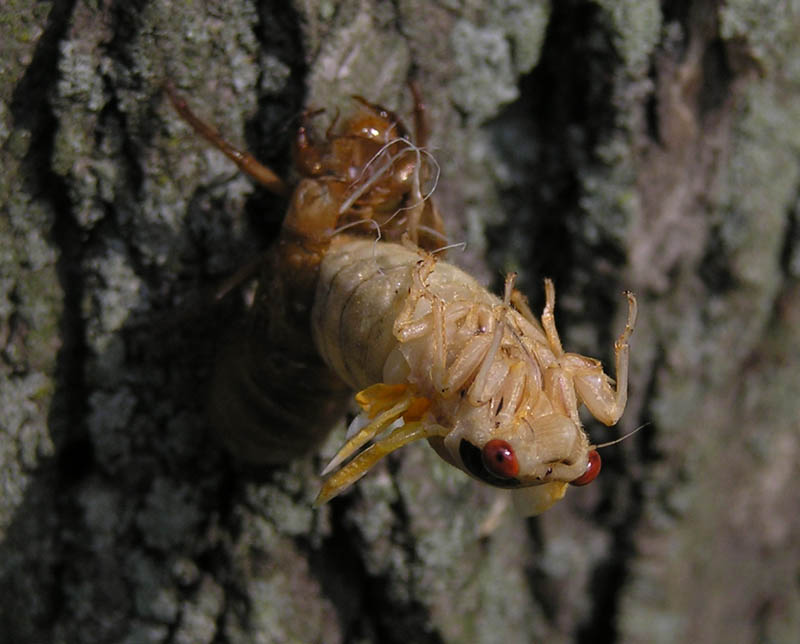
(386,404)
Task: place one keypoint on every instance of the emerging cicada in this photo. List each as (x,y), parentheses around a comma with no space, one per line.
(353,297)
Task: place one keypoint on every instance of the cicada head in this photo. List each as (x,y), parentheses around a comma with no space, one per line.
(549,452)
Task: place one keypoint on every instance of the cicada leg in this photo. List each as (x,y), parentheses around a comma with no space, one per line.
(385,404)
(421,127)
(425,223)
(520,302)
(406,327)
(247,162)
(242,275)
(603,398)
(362,463)
(548,318)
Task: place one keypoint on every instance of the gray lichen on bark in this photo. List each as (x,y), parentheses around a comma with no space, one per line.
(609,145)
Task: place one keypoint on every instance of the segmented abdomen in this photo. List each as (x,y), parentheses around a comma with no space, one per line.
(363,286)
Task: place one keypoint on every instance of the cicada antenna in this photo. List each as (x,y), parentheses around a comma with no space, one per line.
(620,439)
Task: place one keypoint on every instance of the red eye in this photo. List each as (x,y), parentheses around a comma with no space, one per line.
(592,469)
(499,459)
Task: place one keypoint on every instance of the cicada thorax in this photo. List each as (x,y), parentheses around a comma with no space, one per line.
(273,397)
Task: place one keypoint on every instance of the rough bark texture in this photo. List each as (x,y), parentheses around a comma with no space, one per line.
(607,144)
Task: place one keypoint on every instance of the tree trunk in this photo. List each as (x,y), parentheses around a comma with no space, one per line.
(606,144)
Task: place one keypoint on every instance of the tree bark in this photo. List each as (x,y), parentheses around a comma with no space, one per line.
(606,144)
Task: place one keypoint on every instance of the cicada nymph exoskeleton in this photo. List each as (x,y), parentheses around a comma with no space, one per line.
(354,297)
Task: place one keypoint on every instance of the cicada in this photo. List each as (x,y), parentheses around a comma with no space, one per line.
(355,296)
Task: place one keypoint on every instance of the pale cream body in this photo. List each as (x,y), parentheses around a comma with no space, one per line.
(489,371)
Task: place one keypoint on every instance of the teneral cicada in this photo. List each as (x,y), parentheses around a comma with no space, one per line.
(354,297)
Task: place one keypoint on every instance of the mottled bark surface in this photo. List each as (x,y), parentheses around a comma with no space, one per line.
(607,144)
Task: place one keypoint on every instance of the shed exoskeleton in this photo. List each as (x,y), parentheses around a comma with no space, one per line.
(354,297)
